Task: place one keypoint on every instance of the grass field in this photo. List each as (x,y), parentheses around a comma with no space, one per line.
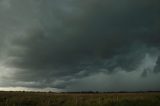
(78,99)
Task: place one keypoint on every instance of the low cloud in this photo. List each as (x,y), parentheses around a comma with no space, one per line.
(74,45)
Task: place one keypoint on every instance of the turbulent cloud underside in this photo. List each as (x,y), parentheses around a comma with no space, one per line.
(77,45)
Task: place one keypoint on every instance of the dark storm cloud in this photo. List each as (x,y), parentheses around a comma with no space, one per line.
(157,68)
(54,41)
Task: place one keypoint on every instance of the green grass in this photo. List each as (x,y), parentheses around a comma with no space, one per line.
(77,99)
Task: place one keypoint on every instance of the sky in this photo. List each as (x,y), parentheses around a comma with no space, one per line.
(80,45)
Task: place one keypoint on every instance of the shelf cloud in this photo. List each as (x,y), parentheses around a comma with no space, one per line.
(77,45)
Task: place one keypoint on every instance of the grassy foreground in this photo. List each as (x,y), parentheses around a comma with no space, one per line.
(77,99)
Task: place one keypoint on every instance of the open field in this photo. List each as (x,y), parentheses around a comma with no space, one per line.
(79,99)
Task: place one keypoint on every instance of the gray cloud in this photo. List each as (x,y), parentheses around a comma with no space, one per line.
(157,67)
(50,42)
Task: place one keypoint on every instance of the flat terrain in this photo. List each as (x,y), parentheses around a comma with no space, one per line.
(79,99)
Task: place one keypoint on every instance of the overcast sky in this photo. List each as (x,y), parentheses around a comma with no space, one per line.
(80,45)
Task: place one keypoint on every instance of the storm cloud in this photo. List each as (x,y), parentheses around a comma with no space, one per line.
(76,45)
